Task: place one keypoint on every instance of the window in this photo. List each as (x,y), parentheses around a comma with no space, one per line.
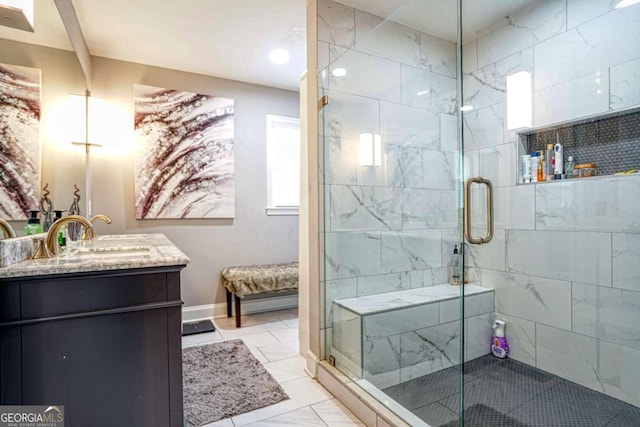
(283,165)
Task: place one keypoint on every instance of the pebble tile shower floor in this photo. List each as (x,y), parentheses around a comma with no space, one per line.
(507,393)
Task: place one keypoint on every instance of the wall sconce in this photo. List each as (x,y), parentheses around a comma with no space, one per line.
(85,112)
(370,149)
(519,101)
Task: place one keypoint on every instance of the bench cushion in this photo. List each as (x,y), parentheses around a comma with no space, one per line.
(256,279)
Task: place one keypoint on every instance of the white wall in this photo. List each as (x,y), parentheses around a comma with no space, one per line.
(251,238)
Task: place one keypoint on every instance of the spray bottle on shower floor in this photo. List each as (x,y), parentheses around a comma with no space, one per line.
(499,346)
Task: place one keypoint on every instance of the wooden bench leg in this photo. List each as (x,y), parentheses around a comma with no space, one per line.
(229,294)
(238,322)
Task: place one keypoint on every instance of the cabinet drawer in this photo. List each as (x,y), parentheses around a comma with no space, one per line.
(53,297)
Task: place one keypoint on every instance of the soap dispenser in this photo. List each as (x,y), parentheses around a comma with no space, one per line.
(62,234)
(455,277)
(33,224)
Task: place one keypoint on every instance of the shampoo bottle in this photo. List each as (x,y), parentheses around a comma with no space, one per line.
(454,268)
(33,224)
(559,163)
(548,163)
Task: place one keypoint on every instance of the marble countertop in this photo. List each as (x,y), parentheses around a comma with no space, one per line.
(107,252)
(377,303)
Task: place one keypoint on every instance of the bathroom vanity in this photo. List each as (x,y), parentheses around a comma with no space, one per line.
(97,330)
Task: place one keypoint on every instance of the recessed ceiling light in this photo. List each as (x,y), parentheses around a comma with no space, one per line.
(339,72)
(279,56)
(625,3)
(465,108)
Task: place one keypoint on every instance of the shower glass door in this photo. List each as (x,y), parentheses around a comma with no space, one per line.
(422,95)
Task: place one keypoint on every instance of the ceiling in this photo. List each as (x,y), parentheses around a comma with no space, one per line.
(232,38)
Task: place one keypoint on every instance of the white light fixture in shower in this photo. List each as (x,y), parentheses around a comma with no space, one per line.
(625,3)
(519,101)
(279,56)
(339,72)
(370,149)
(466,108)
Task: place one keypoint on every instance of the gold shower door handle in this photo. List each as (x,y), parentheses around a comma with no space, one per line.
(467,210)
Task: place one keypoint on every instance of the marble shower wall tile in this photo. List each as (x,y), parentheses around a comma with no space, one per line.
(381,361)
(584,96)
(336,23)
(625,85)
(371,285)
(347,337)
(489,255)
(335,290)
(429,209)
(401,167)
(537,299)
(387,39)
(437,55)
(496,163)
(424,89)
(581,257)
(470,56)
(409,126)
(367,75)
(604,204)
(521,334)
(435,276)
(348,116)
(449,133)
(488,85)
(397,321)
(581,11)
(477,336)
(528,26)
(605,313)
(441,170)
(474,305)
(513,207)
(365,208)
(429,349)
(483,127)
(411,250)
(589,48)
(352,254)
(340,155)
(599,365)
(626,261)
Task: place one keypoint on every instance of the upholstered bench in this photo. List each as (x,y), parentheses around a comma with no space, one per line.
(257,279)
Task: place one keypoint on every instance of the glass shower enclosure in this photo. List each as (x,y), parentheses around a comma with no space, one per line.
(435,232)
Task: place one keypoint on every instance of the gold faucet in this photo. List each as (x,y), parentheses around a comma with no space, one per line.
(89,233)
(7,229)
(52,235)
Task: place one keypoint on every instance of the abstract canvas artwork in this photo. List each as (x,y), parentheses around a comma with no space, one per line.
(19,141)
(184,162)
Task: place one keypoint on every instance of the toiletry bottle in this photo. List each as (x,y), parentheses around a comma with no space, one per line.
(559,163)
(541,168)
(548,163)
(526,168)
(570,166)
(535,166)
(454,267)
(62,234)
(33,225)
(499,346)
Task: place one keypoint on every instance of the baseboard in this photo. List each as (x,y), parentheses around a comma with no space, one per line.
(212,311)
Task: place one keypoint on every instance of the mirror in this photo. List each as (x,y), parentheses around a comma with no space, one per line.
(61,74)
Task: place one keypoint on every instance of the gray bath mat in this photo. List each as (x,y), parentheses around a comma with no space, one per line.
(224,379)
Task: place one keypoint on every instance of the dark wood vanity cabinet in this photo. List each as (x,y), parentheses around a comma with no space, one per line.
(106,345)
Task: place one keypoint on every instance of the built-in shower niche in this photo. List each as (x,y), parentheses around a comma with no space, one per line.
(398,336)
(610,141)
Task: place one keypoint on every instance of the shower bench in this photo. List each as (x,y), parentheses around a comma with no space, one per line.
(398,336)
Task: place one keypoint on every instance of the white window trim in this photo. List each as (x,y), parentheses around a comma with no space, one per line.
(283,122)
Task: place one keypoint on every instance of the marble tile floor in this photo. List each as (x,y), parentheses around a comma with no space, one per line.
(272,337)
(510,394)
